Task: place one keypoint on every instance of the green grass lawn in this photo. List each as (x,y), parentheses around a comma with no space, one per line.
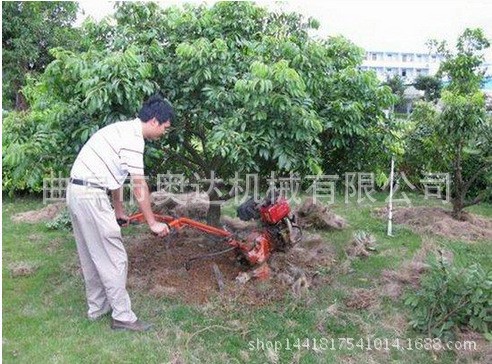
(44,313)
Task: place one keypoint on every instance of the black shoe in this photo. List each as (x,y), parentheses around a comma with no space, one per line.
(138,325)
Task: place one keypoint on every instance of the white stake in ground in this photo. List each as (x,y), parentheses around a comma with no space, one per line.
(390,205)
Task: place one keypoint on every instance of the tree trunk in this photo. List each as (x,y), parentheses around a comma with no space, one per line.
(213,214)
(457,208)
(20,100)
(459,198)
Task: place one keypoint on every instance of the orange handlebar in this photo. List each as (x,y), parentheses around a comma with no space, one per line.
(139,217)
(182,222)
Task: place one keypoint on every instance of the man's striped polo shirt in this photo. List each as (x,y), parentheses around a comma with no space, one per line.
(110,154)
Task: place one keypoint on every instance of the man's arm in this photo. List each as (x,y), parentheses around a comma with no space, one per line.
(117,196)
(141,192)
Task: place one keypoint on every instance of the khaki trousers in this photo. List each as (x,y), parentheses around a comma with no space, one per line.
(101,252)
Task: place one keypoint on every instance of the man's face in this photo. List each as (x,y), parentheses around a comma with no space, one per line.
(158,130)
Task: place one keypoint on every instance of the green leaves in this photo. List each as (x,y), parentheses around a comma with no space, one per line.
(32,148)
(260,70)
(29,30)
(252,90)
(456,137)
(451,297)
(185,50)
(463,67)
(431,85)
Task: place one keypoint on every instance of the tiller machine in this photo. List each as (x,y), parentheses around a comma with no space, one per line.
(277,231)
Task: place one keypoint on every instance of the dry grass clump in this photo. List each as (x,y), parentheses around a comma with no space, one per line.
(22,269)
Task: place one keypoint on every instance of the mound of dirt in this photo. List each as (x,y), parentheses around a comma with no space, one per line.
(435,220)
(362,245)
(362,298)
(192,205)
(313,214)
(159,267)
(47,213)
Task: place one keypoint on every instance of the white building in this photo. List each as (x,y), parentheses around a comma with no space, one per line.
(407,65)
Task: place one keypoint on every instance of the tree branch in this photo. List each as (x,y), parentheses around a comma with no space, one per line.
(196,157)
(191,164)
(474,177)
(443,320)
(475,201)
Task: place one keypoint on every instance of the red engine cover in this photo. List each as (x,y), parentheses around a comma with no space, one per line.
(276,212)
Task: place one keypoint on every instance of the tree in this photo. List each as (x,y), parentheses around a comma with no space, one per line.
(354,104)
(396,84)
(398,87)
(29,30)
(431,85)
(253,92)
(459,135)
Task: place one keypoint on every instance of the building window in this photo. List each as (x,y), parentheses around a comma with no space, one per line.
(391,72)
(374,56)
(407,58)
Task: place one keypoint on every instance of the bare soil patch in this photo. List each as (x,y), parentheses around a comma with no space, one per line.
(481,352)
(47,213)
(158,267)
(435,220)
(362,299)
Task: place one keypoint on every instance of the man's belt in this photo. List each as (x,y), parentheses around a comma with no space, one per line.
(81,182)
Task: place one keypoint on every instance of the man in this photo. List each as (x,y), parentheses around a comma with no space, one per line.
(103,164)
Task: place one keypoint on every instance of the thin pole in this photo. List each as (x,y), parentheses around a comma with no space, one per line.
(390,205)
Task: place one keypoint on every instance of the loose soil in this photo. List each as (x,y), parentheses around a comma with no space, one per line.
(435,220)
(47,213)
(483,348)
(361,246)
(362,298)
(312,214)
(158,266)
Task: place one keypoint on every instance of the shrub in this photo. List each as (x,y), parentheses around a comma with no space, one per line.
(452,297)
(33,148)
(61,222)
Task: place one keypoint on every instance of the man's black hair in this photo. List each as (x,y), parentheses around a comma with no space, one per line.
(156,107)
